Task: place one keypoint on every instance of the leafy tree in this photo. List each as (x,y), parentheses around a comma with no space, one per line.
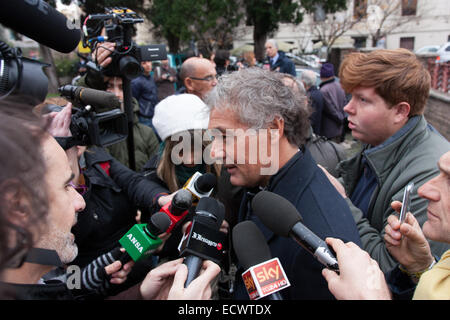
(98,6)
(210,22)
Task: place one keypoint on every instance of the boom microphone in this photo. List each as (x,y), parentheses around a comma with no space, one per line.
(39,21)
(264,276)
(85,96)
(142,239)
(203,240)
(280,216)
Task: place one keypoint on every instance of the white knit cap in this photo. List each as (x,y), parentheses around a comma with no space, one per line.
(178,113)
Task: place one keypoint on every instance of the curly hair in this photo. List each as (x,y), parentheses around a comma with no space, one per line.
(258,97)
(397,76)
(21,181)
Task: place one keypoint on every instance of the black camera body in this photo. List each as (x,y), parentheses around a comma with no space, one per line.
(96,117)
(127,56)
(21,78)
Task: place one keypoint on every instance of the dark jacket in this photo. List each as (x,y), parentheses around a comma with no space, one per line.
(317,103)
(165,87)
(146,143)
(111,204)
(333,111)
(410,155)
(145,91)
(324,212)
(283,65)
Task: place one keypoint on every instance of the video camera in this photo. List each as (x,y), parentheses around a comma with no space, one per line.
(96,117)
(21,77)
(127,56)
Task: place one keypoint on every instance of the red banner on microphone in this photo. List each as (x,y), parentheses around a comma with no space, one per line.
(265,278)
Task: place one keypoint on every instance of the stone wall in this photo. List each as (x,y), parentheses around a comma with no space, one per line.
(437,112)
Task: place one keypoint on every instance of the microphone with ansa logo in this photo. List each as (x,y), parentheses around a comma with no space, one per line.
(280,216)
(264,276)
(142,239)
(202,239)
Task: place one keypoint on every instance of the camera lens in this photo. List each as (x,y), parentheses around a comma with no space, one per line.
(130,67)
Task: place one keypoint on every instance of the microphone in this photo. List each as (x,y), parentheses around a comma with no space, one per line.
(142,239)
(85,96)
(201,185)
(39,21)
(264,276)
(280,216)
(178,208)
(203,240)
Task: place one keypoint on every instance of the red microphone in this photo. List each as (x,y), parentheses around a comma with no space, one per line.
(178,208)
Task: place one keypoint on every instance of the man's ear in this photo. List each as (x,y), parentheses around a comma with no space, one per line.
(403,110)
(277,129)
(188,84)
(17,207)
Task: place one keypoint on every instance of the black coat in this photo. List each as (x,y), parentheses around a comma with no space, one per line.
(111,205)
(324,212)
(317,103)
(283,65)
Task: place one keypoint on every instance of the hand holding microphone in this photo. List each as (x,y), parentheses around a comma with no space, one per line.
(142,239)
(166,282)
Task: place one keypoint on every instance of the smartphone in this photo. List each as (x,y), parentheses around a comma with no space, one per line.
(406,203)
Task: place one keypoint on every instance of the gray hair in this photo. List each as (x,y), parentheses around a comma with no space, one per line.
(273,42)
(309,77)
(258,97)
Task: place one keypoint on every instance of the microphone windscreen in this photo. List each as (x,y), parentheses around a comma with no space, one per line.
(39,21)
(210,211)
(99,98)
(276,212)
(159,222)
(249,244)
(181,201)
(205,182)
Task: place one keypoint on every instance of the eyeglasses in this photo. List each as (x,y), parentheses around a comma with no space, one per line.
(81,188)
(207,78)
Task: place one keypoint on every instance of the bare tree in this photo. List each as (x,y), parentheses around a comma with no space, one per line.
(385,16)
(331,26)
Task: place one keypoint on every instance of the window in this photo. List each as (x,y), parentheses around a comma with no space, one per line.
(407,43)
(360,42)
(359,9)
(409,7)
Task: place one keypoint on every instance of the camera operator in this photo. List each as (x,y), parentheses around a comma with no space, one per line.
(145,139)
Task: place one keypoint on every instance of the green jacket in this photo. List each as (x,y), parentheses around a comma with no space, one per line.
(146,144)
(412,156)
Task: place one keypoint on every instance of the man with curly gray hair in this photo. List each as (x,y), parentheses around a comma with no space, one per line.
(254,109)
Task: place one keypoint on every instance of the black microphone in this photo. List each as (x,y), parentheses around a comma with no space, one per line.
(203,240)
(39,21)
(252,250)
(142,239)
(205,183)
(85,96)
(280,216)
(201,185)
